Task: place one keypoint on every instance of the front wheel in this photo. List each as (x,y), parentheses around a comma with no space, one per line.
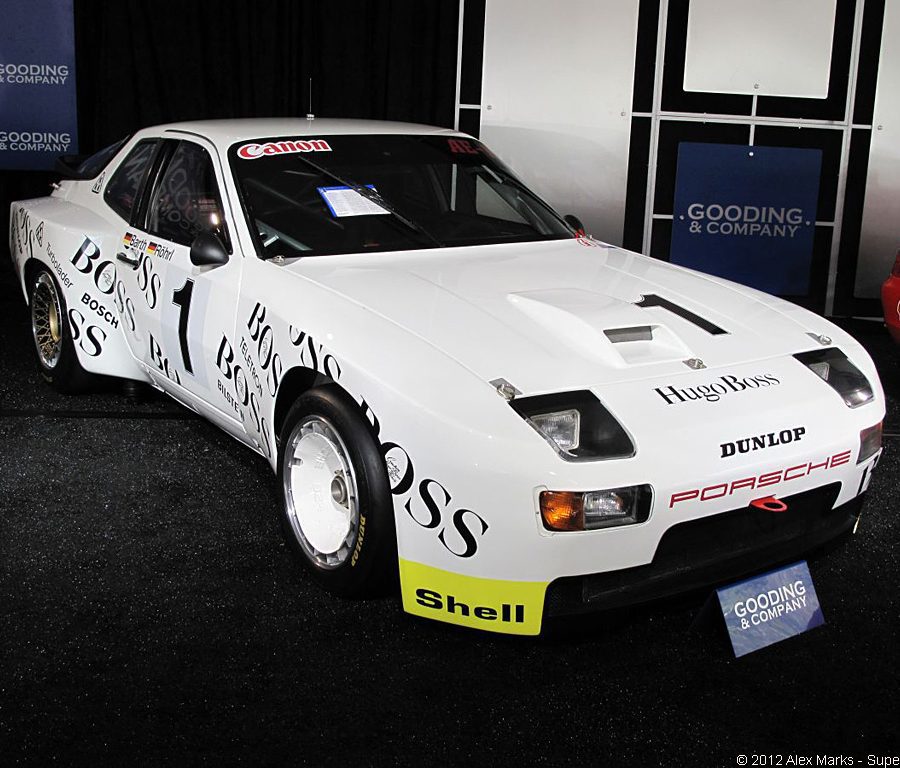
(52,336)
(337,513)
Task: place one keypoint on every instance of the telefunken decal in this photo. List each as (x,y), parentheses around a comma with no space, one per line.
(254,151)
(758,442)
(716,391)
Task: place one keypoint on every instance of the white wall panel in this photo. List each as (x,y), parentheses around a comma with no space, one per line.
(766,47)
(556,101)
(881,217)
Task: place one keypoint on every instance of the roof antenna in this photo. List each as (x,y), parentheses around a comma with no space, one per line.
(310,115)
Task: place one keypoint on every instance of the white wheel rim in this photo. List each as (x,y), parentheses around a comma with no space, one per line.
(320,492)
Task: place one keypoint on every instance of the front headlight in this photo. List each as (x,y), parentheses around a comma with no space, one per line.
(591,510)
(832,366)
(576,424)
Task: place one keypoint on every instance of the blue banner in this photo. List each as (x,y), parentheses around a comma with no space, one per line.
(747,214)
(38,115)
(769,608)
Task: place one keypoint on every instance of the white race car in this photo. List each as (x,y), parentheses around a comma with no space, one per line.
(450,379)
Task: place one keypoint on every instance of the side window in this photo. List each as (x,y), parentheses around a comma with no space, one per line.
(186,201)
(122,190)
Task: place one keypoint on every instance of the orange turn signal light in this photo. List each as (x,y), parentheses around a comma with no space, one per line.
(562,510)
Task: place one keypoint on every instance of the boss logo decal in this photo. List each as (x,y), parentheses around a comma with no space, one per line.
(125,306)
(429,503)
(758,442)
(725,385)
(162,362)
(87,261)
(246,398)
(269,360)
(312,355)
(148,281)
(89,338)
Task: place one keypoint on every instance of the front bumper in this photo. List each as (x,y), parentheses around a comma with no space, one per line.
(711,550)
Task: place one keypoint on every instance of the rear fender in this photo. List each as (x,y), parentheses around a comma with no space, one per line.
(77,247)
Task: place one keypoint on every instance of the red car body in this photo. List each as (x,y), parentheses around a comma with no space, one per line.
(890,299)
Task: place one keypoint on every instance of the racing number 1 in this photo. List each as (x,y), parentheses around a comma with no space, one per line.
(182,299)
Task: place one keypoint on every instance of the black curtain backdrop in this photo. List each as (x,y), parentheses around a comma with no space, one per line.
(144,62)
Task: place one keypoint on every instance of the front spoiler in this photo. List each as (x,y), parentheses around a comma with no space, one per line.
(711,550)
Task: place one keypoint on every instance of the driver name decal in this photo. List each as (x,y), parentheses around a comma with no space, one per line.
(254,151)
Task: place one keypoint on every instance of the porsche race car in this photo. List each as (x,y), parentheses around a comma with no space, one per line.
(451,380)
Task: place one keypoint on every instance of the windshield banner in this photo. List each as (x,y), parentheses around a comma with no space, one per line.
(38,114)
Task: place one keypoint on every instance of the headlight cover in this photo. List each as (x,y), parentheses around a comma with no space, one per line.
(576,424)
(832,366)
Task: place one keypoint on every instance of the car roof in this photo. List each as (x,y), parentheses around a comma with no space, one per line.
(224,133)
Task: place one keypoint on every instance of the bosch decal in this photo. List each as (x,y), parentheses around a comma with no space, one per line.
(100,309)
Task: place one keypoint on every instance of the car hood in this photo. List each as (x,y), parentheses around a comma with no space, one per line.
(565,314)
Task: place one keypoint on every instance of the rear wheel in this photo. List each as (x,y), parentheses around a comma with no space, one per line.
(52,336)
(337,512)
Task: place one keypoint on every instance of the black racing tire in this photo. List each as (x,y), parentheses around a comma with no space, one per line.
(337,512)
(51,333)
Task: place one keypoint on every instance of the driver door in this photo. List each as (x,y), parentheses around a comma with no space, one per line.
(193,306)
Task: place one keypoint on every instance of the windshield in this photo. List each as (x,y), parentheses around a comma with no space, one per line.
(350,194)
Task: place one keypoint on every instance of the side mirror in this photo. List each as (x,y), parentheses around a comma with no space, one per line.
(207,251)
(573,221)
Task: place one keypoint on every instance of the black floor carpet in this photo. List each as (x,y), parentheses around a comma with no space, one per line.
(149,615)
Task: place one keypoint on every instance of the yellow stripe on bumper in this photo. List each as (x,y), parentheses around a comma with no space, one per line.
(513,607)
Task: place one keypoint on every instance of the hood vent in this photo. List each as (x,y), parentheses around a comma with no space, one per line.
(635,333)
(652,300)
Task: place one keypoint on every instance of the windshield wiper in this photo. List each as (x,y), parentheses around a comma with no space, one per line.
(372,196)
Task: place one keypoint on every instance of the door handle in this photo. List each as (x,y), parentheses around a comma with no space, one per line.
(130,259)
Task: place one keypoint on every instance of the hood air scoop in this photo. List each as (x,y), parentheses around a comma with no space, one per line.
(602,328)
